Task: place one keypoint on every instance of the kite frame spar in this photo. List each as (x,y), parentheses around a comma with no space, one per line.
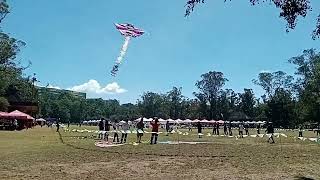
(128,31)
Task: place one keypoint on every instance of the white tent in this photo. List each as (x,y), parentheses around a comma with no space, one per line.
(196,120)
(147,120)
(220,122)
(204,121)
(178,121)
(41,120)
(187,121)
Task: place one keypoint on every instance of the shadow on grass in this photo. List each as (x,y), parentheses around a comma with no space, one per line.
(302,178)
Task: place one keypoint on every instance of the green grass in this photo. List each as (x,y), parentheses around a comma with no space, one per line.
(41,153)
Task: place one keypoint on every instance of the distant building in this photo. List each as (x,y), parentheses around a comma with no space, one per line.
(60,91)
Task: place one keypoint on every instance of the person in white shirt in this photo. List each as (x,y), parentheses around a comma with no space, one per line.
(125,128)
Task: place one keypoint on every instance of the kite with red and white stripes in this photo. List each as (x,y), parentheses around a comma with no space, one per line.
(128,31)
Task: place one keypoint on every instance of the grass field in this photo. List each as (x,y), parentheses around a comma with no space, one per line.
(42,153)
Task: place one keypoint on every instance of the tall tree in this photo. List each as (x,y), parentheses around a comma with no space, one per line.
(279,99)
(13,86)
(247,102)
(175,99)
(209,86)
(271,82)
(307,85)
(153,104)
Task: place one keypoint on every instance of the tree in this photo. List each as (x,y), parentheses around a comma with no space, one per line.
(4,9)
(13,86)
(209,86)
(175,102)
(4,104)
(290,11)
(153,104)
(281,109)
(247,102)
(224,105)
(279,99)
(271,82)
(307,85)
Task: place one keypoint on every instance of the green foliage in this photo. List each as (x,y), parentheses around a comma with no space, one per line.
(13,85)
(69,107)
(4,104)
(247,102)
(272,82)
(4,9)
(307,85)
(210,87)
(153,104)
(280,103)
(290,11)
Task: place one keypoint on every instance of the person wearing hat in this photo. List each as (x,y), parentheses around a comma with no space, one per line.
(125,129)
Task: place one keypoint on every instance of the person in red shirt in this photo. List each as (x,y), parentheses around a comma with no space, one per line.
(155,129)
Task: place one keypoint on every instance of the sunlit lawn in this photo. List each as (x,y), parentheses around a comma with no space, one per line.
(40,153)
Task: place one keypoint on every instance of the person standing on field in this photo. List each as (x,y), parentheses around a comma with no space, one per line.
(155,129)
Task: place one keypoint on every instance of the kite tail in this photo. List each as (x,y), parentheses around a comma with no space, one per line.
(119,60)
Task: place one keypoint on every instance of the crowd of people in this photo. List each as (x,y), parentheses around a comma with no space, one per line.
(120,130)
(105,127)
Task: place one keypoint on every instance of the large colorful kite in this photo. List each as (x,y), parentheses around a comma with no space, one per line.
(128,31)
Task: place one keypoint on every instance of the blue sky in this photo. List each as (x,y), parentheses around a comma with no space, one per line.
(72,42)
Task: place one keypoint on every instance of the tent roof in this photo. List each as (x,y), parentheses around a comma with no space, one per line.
(17,114)
(187,121)
(4,114)
(41,119)
(204,121)
(220,122)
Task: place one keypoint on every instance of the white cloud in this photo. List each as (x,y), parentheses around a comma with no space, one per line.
(94,87)
(54,87)
(265,71)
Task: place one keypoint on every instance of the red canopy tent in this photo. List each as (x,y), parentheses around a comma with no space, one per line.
(19,115)
(4,114)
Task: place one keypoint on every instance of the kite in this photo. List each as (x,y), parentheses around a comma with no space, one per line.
(128,31)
